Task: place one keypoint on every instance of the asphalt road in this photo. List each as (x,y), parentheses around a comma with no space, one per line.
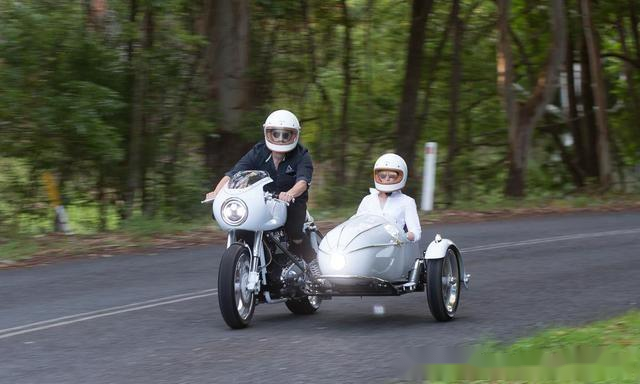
(155,318)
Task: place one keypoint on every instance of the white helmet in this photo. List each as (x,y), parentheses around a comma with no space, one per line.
(281,131)
(390,173)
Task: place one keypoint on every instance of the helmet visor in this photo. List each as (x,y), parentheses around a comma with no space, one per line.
(387,176)
(281,136)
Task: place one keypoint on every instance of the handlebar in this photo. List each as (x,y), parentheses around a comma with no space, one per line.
(274,196)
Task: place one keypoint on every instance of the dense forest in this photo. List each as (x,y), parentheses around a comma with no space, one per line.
(136,107)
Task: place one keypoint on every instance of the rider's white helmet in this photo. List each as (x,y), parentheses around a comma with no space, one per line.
(390,173)
(281,131)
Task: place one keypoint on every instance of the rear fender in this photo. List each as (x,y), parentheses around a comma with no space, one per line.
(438,250)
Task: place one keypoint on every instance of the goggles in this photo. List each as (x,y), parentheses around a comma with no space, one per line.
(281,136)
(387,176)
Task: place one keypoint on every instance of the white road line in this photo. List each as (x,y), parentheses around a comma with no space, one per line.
(57,322)
(551,240)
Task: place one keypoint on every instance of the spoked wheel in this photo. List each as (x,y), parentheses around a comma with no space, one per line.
(237,303)
(443,286)
(304,306)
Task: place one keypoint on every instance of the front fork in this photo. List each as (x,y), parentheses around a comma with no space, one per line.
(257,258)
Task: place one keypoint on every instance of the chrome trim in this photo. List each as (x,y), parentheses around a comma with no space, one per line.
(231,238)
(258,258)
(243,297)
(269,300)
(463,273)
(413,278)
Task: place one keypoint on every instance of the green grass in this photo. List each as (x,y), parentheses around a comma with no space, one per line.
(602,352)
(17,249)
(137,232)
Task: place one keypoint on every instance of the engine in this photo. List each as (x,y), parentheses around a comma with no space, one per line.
(284,276)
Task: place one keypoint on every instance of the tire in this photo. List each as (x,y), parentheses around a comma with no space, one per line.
(304,306)
(443,286)
(236,303)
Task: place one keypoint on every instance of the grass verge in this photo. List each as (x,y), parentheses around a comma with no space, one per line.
(602,352)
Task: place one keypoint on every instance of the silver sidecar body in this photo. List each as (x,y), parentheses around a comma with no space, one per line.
(368,255)
(368,246)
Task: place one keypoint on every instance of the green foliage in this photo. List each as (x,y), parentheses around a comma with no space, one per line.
(68,100)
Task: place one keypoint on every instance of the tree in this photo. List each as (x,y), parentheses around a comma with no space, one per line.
(523,117)
(227,61)
(406,121)
(599,90)
(454,100)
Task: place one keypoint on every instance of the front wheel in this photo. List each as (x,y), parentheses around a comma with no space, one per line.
(304,306)
(237,303)
(443,286)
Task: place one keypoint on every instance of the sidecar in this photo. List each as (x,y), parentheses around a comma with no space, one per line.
(370,256)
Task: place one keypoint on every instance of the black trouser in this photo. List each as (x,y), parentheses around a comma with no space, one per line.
(296,213)
(298,242)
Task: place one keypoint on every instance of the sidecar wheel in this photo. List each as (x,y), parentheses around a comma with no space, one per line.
(304,306)
(237,304)
(443,286)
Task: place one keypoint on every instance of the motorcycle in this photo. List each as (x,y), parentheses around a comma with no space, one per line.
(365,256)
(257,266)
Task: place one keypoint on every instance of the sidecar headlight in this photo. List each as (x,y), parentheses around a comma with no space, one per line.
(337,261)
(234,212)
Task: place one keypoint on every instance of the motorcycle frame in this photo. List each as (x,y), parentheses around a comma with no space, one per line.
(258,262)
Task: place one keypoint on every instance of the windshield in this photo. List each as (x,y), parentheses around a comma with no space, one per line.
(243,179)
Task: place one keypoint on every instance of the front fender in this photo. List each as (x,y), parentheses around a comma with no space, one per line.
(438,248)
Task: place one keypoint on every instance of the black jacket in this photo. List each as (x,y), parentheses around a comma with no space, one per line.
(295,166)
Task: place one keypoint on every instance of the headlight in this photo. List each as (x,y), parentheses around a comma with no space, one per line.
(234,212)
(337,261)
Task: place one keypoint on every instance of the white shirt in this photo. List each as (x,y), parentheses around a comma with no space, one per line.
(398,208)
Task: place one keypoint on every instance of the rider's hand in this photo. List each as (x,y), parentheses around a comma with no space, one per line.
(285,196)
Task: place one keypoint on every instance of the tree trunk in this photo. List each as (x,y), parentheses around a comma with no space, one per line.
(589,130)
(454,99)
(599,90)
(137,120)
(343,135)
(227,58)
(505,79)
(406,123)
(148,137)
(573,122)
(522,119)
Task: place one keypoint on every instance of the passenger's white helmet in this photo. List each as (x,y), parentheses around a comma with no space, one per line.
(281,131)
(390,173)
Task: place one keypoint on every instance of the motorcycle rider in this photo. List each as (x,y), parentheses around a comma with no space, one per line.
(288,163)
(387,199)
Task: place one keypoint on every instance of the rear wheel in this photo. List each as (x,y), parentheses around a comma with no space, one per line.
(443,286)
(237,303)
(304,306)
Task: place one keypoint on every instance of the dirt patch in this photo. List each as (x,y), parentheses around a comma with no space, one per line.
(55,247)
